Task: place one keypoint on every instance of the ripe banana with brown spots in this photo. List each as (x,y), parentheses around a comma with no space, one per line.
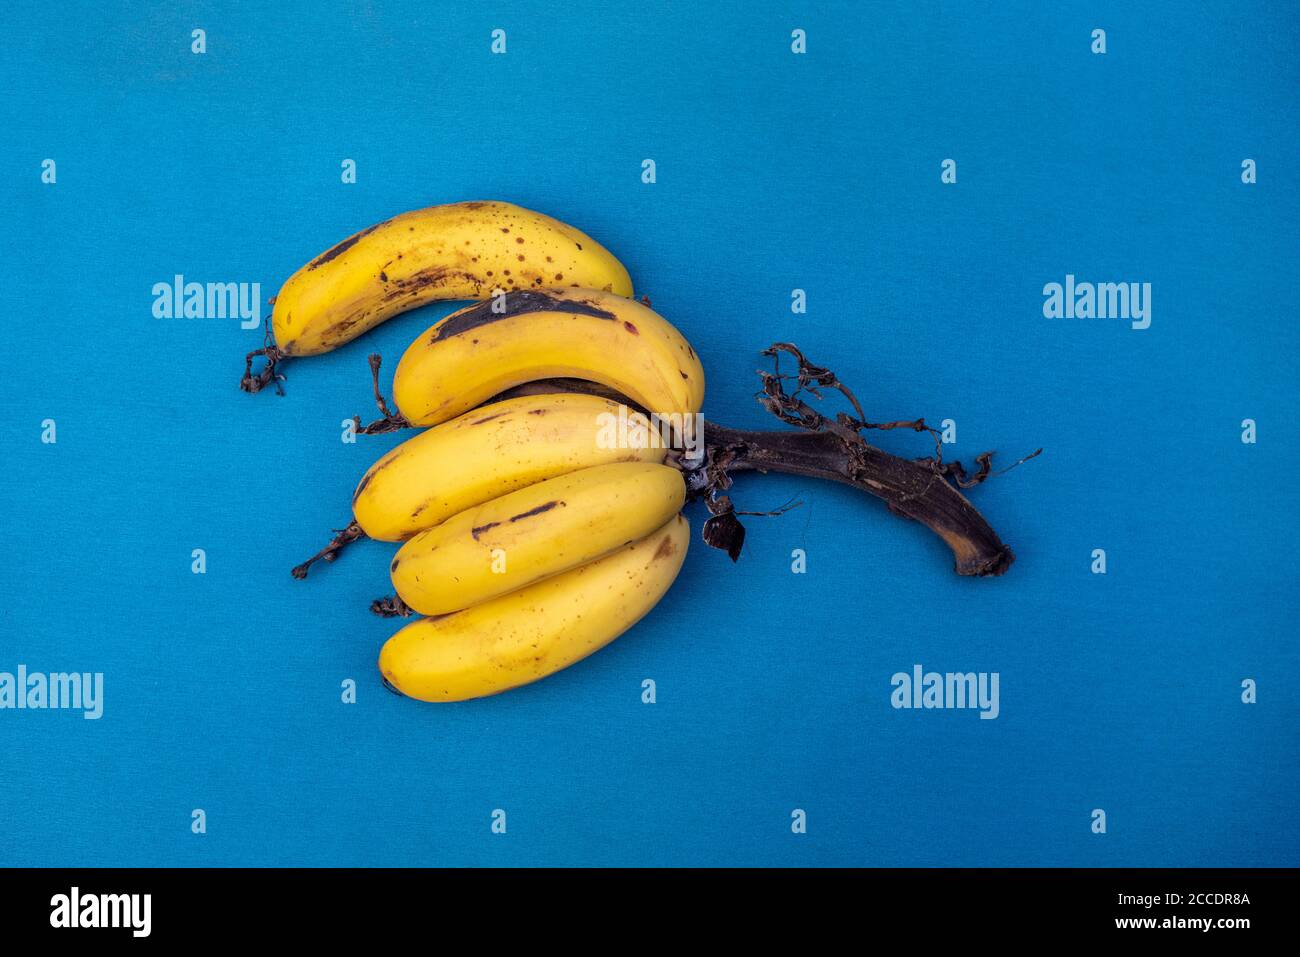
(484,454)
(534,533)
(487,453)
(537,630)
(527,335)
(456,251)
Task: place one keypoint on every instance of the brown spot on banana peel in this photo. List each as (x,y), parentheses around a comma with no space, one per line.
(476,532)
(395,291)
(517,303)
(337,334)
(361,487)
(666,549)
(433,276)
(340,248)
(537,511)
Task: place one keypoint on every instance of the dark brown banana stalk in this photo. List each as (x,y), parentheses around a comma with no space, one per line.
(927,489)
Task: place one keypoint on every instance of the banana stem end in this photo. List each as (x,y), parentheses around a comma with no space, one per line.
(391,421)
(391,606)
(927,490)
(343,537)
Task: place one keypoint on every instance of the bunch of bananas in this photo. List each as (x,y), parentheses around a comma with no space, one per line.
(532,534)
(539,520)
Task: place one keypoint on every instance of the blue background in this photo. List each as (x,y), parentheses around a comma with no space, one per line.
(775,171)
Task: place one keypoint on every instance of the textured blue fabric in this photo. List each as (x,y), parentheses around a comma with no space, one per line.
(775,171)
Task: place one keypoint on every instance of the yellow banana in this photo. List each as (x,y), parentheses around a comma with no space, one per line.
(458,251)
(534,533)
(538,630)
(486,453)
(603,337)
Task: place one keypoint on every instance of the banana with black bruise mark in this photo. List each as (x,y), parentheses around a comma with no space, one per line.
(485,454)
(482,455)
(521,337)
(538,531)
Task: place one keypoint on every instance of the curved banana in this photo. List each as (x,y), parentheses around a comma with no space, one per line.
(538,630)
(457,251)
(488,452)
(534,533)
(485,349)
